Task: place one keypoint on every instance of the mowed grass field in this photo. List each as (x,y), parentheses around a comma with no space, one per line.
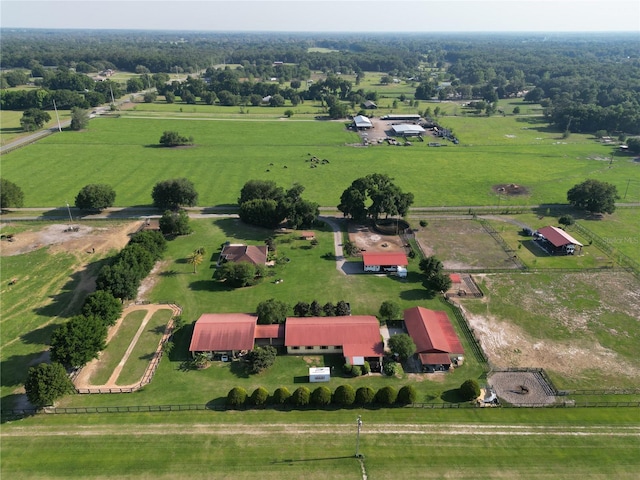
(123,153)
(397,443)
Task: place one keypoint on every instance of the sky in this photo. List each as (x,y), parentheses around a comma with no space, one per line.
(327,15)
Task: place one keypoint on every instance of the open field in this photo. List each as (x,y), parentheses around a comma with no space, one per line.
(272,444)
(227,153)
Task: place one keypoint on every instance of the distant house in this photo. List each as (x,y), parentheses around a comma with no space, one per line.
(385,262)
(369,105)
(361,122)
(223,334)
(556,241)
(235,252)
(437,344)
(356,337)
(307,235)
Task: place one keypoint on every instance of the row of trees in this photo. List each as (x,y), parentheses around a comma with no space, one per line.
(123,275)
(322,396)
(265,204)
(276,311)
(73,344)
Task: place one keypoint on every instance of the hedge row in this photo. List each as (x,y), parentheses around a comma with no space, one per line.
(343,396)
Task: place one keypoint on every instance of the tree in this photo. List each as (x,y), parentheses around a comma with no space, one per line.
(261,358)
(321,396)
(594,196)
(33,119)
(103,305)
(516,110)
(79,118)
(150,97)
(175,193)
(301,309)
(236,397)
(364,396)
(440,282)
(402,345)
(430,266)
(281,396)
(261,212)
(175,223)
(272,311)
(469,390)
(566,220)
(329,309)
(95,196)
(10,194)
(300,397)
(195,258)
(344,395)
(276,100)
(534,95)
(153,242)
(342,309)
(259,397)
(386,395)
(174,139)
(386,198)
(634,144)
(120,280)
(390,311)
(76,342)
(407,395)
(315,310)
(47,382)
(288,113)
(239,274)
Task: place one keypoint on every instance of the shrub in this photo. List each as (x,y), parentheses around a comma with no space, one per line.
(423,223)
(365,396)
(261,358)
(366,368)
(469,390)
(391,368)
(407,395)
(356,370)
(321,396)
(344,395)
(103,305)
(259,396)
(237,397)
(281,395)
(402,345)
(346,368)
(301,397)
(386,396)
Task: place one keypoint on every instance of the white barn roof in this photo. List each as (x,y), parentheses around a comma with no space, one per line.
(407,129)
(361,121)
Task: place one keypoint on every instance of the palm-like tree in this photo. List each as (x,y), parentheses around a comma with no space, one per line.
(195,259)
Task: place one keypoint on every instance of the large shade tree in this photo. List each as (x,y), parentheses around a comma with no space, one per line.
(175,193)
(374,196)
(594,196)
(11,195)
(45,383)
(95,196)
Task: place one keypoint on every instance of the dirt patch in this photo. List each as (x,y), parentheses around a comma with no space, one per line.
(81,239)
(520,388)
(510,189)
(368,240)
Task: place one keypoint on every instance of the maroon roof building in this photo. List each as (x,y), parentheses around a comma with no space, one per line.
(223,333)
(255,254)
(557,241)
(437,344)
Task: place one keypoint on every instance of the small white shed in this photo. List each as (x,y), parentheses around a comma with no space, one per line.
(319,374)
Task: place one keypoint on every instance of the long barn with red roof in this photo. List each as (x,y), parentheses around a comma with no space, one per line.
(437,344)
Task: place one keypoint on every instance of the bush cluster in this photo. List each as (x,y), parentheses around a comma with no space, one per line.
(321,396)
(123,275)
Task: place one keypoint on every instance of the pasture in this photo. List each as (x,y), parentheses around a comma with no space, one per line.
(123,153)
(394,443)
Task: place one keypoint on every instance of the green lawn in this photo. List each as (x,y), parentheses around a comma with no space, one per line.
(317,445)
(145,348)
(111,356)
(122,152)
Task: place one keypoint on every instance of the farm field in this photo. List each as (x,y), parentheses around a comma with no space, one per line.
(227,153)
(460,445)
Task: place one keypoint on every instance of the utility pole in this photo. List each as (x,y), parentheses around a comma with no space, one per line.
(70,217)
(358,424)
(57,117)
